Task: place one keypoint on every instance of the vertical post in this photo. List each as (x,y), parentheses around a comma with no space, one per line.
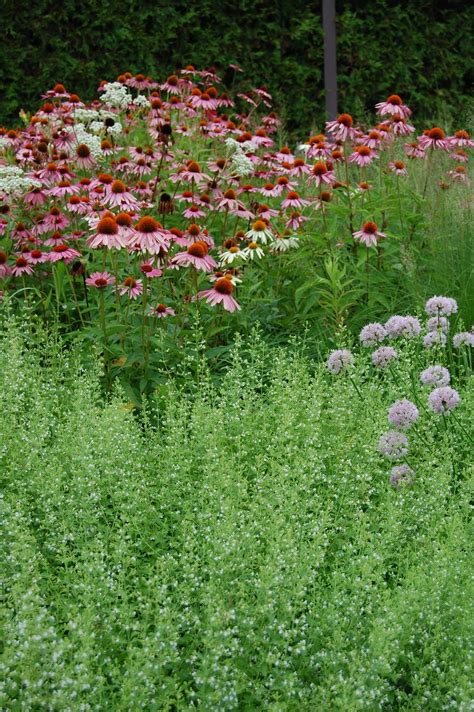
(330,67)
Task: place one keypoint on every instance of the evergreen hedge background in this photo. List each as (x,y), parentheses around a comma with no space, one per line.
(422,50)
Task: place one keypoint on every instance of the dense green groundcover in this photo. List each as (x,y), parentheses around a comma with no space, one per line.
(236,547)
(419,49)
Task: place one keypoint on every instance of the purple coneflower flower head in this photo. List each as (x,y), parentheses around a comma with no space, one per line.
(221,293)
(161,311)
(438,323)
(463,338)
(369,234)
(339,360)
(434,338)
(401,475)
(408,326)
(441,306)
(372,334)
(100,280)
(403,414)
(435,376)
(131,287)
(382,356)
(393,445)
(443,400)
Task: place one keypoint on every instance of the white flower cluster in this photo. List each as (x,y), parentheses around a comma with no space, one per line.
(141,100)
(82,136)
(14,182)
(4,143)
(116,94)
(99,126)
(242,164)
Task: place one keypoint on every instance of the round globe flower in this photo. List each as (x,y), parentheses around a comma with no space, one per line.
(372,334)
(463,338)
(339,360)
(443,400)
(401,475)
(403,414)
(393,445)
(382,356)
(434,338)
(435,376)
(441,306)
(408,326)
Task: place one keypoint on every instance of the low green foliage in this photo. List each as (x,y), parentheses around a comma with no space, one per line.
(237,547)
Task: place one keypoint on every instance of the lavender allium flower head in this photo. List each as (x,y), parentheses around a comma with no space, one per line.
(441,306)
(372,334)
(338,360)
(435,376)
(403,414)
(438,323)
(443,400)
(393,445)
(464,338)
(403,326)
(401,475)
(434,338)
(382,356)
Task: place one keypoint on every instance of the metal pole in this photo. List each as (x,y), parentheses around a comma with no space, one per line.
(330,70)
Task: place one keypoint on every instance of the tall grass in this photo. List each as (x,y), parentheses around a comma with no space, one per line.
(235,548)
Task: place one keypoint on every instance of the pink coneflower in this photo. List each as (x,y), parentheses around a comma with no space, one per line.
(293,200)
(341,128)
(35,197)
(269,190)
(36,256)
(228,200)
(192,174)
(78,204)
(459,155)
(118,196)
(55,220)
(299,168)
(362,156)
(21,267)
(63,252)
(320,173)
(221,293)
(414,150)
(369,234)
(459,175)
(63,189)
(372,140)
(20,232)
(295,220)
(84,158)
(107,235)
(48,175)
(139,81)
(56,238)
(100,280)
(461,139)
(150,236)
(202,100)
(131,287)
(399,126)
(434,138)
(393,105)
(398,167)
(196,255)
(161,311)
(193,212)
(149,270)
(125,229)
(5,270)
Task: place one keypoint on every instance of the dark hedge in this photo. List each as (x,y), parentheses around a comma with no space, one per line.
(421,50)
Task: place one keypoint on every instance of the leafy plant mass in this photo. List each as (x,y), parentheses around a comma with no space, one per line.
(235,426)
